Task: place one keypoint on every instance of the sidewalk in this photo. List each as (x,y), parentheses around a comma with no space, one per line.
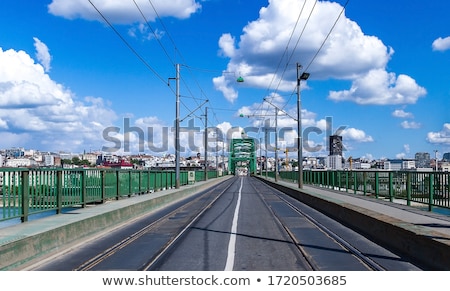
(408,230)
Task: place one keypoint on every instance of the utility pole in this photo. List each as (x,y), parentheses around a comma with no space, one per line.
(276,144)
(260,157)
(265,140)
(217,152)
(177,127)
(206,143)
(305,77)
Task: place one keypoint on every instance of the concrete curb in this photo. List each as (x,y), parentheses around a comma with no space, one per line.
(27,242)
(427,248)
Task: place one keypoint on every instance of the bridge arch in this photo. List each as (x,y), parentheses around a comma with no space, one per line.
(242,156)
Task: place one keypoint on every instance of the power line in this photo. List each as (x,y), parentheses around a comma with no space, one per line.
(177,50)
(154,32)
(319,49)
(287,48)
(128,44)
(292,54)
(328,35)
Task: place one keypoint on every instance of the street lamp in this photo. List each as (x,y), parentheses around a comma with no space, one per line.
(304,76)
(435,160)
(177,126)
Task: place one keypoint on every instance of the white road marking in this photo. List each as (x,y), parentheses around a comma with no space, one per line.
(232,243)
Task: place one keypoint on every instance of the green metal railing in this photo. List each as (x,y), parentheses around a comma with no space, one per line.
(24,192)
(431,189)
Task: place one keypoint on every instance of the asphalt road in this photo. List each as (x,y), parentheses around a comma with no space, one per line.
(241,224)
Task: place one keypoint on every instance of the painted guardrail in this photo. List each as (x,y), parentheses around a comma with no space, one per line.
(24,192)
(431,189)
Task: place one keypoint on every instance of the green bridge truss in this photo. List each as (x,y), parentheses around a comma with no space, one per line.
(242,155)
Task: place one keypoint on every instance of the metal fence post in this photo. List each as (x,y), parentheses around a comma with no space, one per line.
(391,187)
(346,181)
(59,194)
(377,184)
(117,185)
(103,184)
(83,188)
(25,194)
(130,183)
(431,192)
(408,188)
(365,182)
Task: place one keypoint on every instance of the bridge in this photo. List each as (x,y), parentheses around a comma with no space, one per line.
(242,156)
(386,220)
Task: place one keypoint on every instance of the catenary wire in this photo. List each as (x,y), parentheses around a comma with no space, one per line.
(128,44)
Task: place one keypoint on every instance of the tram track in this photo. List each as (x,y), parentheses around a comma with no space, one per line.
(346,245)
(158,257)
(196,204)
(274,231)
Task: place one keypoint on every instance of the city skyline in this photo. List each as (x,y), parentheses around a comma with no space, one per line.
(70,71)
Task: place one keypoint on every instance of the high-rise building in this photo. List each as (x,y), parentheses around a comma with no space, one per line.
(446,157)
(422,160)
(335,145)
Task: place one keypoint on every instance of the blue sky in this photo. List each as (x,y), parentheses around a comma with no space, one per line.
(70,81)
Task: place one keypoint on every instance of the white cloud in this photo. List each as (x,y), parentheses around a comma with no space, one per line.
(43,112)
(10,139)
(440,137)
(406,148)
(42,54)
(441,44)
(124,12)
(348,54)
(381,88)
(3,124)
(400,113)
(25,84)
(143,30)
(410,124)
(400,156)
(227,45)
(357,135)
(222,84)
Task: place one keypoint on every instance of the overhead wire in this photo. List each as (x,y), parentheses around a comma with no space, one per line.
(296,46)
(154,32)
(289,57)
(128,44)
(139,56)
(328,35)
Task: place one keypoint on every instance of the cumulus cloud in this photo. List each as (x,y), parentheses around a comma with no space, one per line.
(348,54)
(315,131)
(410,124)
(42,54)
(441,44)
(35,106)
(381,88)
(440,137)
(357,135)
(400,113)
(123,12)
(227,45)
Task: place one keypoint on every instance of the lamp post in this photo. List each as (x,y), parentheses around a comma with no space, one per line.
(177,127)
(303,76)
(435,160)
(206,143)
(276,134)
(276,144)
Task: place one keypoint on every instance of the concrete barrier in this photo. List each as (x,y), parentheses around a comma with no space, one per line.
(28,242)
